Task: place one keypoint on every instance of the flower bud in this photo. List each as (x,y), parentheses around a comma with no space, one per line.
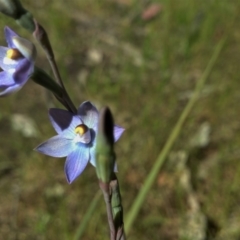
(26,21)
(12,8)
(105,157)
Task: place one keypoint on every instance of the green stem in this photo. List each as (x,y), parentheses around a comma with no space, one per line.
(42,78)
(41,36)
(117,208)
(132,214)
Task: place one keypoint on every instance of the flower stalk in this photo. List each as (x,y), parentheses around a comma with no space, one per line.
(108,183)
(41,36)
(40,77)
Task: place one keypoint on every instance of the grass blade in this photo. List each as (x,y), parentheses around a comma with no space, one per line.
(136,206)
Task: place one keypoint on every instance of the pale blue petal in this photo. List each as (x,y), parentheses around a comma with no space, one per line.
(92,153)
(76,162)
(5,91)
(7,84)
(3,52)
(89,114)
(9,34)
(10,83)
(117,132)
(64,122)
(57,146)
(24,70)
(6,79)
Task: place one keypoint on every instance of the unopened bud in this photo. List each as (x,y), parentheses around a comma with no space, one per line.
(12,8)
(26,21)
(105,156)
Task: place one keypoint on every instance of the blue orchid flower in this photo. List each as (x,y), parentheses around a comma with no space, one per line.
(16,61)
(76,138)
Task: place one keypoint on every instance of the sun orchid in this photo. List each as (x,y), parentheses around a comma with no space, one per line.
(76,138)
(16,61)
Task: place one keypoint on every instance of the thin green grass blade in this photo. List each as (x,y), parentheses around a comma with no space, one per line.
(87,216)
(132,214)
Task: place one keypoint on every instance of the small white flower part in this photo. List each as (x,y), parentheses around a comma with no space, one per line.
(83,134)
(9,61)
(26,48)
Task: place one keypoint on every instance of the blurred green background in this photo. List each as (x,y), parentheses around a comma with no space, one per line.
(142,59)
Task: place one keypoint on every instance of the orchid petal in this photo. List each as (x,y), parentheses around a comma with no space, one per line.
(93,153)
(3,52)
(5,91)
(56,146)
(76,162)
(9,34)
(23,71)
(10,83)
(64,122)
(117,132)
(7,84)
(6,79)
(89,114)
